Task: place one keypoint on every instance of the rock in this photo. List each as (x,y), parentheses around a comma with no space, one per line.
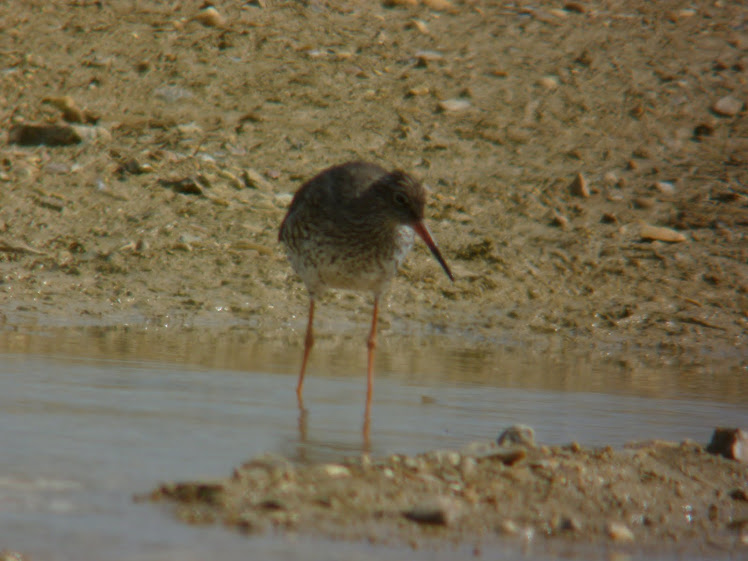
(550,83)
(507,456)
(453,105)
(660,233)
(517,435)
(730,443)
(559,220)
(47,135)
(70,111)
(420,25)
(439,511)
(172,94)
(210,17)
(644,202)
(185,186)
(426,56)
(619,532)
(702,130)
(399,3)
(579,186)
(254,180)
(576,7)
(727,106)
(665,187)
(439,5)
(335,470)
(508,527)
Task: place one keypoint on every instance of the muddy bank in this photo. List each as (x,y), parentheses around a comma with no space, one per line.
(647,497)
(554,140)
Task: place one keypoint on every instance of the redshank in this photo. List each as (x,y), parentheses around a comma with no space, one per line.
(351,227)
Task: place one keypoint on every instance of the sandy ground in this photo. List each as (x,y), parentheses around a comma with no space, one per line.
(588,163)
(649,497)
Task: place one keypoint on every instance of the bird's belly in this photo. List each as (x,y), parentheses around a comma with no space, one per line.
(345,264)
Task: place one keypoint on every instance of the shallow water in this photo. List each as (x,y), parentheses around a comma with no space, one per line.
(81,433)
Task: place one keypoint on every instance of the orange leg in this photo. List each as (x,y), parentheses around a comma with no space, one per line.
(308,344)
(371,344)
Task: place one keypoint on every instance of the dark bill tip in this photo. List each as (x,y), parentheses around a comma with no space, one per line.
(423,232)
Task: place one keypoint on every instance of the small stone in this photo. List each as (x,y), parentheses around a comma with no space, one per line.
(559,220)
(508,527)
(454,105)
(172,94)
(517,435)
(47,135)
(439,511)
(507,456)
(610,178)
(644,202)
(576,7)
(210,17)
(418,91)
(254,180)
(185,186)
(727,106)
(660,233)
(579,186)
(550,83)
(420,25)
(399,3)
(730,443)
(335,470)
(665,187)
(424,57)
(619,532)
(703,130)
(439,5)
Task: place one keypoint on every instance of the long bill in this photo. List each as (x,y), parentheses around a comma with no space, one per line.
(421,229)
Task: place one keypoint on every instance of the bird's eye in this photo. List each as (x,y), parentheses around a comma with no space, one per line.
(401,199)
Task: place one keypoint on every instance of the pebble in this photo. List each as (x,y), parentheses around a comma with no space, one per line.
(399,3)
(454,105)
(660,233)
(70,111)
(335,470)
(550,83)
(254,180)
(644,202)
(418,91)
(210,17)
(47,135)
(507,456)
(576,7)
(424,57)
(619,532)
(727,106)
(610,178)
(439,5)
(420,25)
(517,434)
(579,186)
(730,443)
(439,511)
(172,94)
(508,527)
(559,220)
(665,187)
